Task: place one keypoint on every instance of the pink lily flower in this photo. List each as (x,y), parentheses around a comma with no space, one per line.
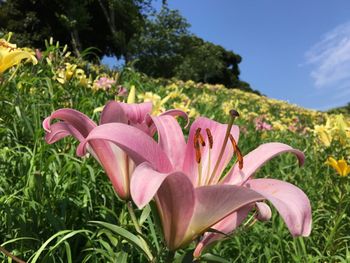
(261,125)
(188,183)
(104,83)
(116,162)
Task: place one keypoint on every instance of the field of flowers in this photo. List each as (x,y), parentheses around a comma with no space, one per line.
(58,207)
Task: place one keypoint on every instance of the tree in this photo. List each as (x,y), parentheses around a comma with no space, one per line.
(166,48)
(157,49)
(206,62)
(108,25)
(124,19)
(159,44)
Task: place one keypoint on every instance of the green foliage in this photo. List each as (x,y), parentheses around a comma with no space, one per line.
(343,110)
(158,50)
(208,63)
(103,24)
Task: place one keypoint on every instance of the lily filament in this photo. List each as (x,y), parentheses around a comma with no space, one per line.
(199,143)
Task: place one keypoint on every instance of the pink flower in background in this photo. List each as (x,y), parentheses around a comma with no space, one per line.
(122,91)
(104,83)
(261,125)
(38,54)
(243,130)
(292,128)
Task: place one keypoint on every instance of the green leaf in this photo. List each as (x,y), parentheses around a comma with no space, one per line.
(145,213)
(185,258)
(138,241)
(213,258)
(67,233)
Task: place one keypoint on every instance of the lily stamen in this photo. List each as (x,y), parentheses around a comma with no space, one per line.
(198,150)
(233,115)
(4,44)
(199,137)
(198,141)
(237,152)
(210,138)
(211,142)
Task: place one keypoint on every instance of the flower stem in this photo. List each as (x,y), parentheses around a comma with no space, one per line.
(133,217)
(170,256)
(3,250)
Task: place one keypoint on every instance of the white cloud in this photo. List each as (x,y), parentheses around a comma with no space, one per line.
(330,59)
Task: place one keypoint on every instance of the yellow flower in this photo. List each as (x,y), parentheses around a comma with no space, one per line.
(323,134)
(157,101)
(132,94)
(277,125)
(341,166)
(186,108)
(10,55)
(83,79)
(65,74)
(340,127)
(70,70)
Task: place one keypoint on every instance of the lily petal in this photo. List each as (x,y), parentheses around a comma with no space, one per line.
(138,145)
(291,202)
(176,202)
(113,112)
(9,59)
(116,163)
(257,158)
(264,211)
(136,112)
(75,118)
(226,226)
(218,132)
(141,192)
(60,130)
(176,113)
(170,139)
(215,202)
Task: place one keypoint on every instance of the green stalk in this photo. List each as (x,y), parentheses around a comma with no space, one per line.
(3,250)
(170,256)
(139,231)
(338,219)
(133,217)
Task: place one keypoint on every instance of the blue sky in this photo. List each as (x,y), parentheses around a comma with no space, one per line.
(297,50)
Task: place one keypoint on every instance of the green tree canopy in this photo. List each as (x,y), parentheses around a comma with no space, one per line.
(108,25)
(157,49)
(166,48)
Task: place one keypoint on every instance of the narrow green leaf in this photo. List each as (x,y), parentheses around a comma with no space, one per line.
(69,233)
(145,213)
(214,258)
(68,252)
(135,240)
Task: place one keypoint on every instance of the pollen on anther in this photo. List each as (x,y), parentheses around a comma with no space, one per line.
(210,137)
(234,113)
(198,151)
(237,152)
(198,136)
